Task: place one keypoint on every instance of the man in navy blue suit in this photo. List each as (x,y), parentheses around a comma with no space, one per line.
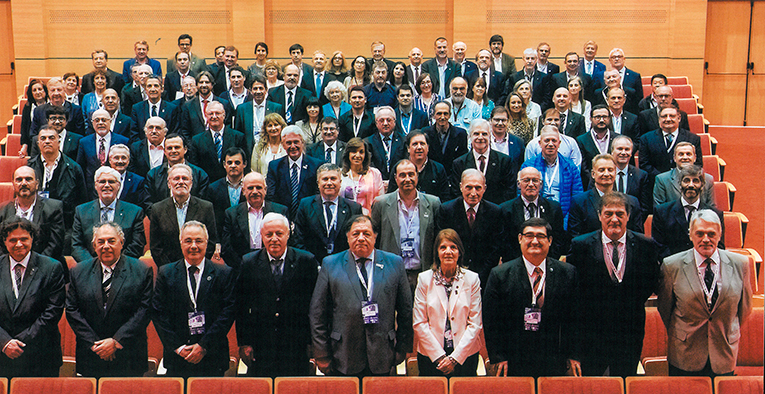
(132,185)
(226,192)
(290,96)
(121,123)
(657,146)
(464,66)
(154,105)
(630,79)
(590,66)
(292,177)
(630,179)
(386,145)
(409,118)
(141,49)
(94,149)
(494,80)
(447,142)
(208,148)
(174,78)
(320,75)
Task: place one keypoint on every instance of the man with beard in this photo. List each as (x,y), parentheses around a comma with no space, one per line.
(431,175)
(596,142)
(464,110)
(290,96)
(667,188)
(194,113)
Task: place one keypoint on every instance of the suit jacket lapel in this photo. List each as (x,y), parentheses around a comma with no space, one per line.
(243,220)
(378,277)
(675,182)
(392,213)
(692,276)
(5,281)
(191,212)
(726,272)
(453,298)
(353,277)
(118,278)
(119,214)
(205,281)
(425,218)
(318,211)
(29,275)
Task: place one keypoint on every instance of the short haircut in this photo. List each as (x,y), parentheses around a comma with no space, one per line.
(236,68)
(97,51)
(394,170)
(477,123)
(157,77)
(472,171)
(571,53)
(448,104)
(602,156)
(498,110)
(404,86)
(598,107)
(177,167)
(621,137)
(116,227)
(683,144)
(693,171)
(416,133)
(385,108)
(194,223)
(706,215)
(660,76)
(261,79)
(231,48)
(327,167)
(537,222)
(17,222)
(357,88)
(275,217)
(292,129)
(497,38)
(380,65)
(107,170)
(614,198)
(327,120)
(530,52)
(119,147)
(76,77)
(208,75)
(235,150)
(185,36)
(358,219)
(56,110)
(296,47)
(141,42)
(181,53)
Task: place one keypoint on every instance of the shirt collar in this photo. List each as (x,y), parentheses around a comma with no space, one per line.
(604,238)
(201,265)
(299,161)
(700,259)
(24,262)
(475,208)
(530,267)
(282,257)
(182,206)
(527,202)
(112,206)
(686,203)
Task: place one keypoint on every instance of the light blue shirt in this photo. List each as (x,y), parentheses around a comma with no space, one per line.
(463,115)
(568,149)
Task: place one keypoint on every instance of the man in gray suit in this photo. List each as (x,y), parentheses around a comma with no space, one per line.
(361,309)
(406,221)
(704,299)
(666,187)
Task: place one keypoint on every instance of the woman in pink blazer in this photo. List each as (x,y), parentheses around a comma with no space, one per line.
(447,313)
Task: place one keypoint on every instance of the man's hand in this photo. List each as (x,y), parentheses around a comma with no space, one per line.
(573,367)
(501,368)
(106,348)
(245,354)
(23,151)
(14,348)
(324,365)
(446,365)
(196,353)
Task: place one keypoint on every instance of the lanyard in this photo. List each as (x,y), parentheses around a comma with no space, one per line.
(548,184)
(458,110)
(408,124)
(333,219)
(409,219)
(193,296)
(367,289)
(536,294)
(357,126)
(707,292)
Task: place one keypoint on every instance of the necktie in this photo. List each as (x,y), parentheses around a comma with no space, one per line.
(386,140)
(102,151)
(471,216)
(318,85)
(288,114)
(483,75)
(620,187)
(204,109)
(328,156)
(482,163)
(328,214)
(105,214)
(690,209)
(106,284)
(668,140)
(18,271)
(153,110)
(532,210)
(709,281)
(405,122)
(416,72)
(295,188)
(276,270)
(537,282)
(218,144)
(615,256)
(562,122)
(589,68)
(361,263)
(193,270)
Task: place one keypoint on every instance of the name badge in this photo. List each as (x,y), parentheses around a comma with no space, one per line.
(370,312)
(44,194)
(531,319)
(407,247)
(330,247)
(197,323)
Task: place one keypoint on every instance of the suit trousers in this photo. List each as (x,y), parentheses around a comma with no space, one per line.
(706,371)
(428,368)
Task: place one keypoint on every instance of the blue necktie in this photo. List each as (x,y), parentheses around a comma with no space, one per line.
(295,181)
(218,144)
(288,114)
(318,85)
(328,157)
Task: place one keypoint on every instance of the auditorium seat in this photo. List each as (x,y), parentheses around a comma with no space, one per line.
(715,166)
(6,192)
(11,144)
(317,385)
(724,193)
(154,347)
(16,125)
(3,385)
(68,367)
(8,165)
(682,91)
(706,144)
(580,385)
(697,124)
(750,351)
(739,384)
(676,80)
(647,90)
(669,385)
(654,354)
(233,352)
(228,386)
(491,385)
(735,229)
(647,225)
(140,386)
(53,385)
(404,385)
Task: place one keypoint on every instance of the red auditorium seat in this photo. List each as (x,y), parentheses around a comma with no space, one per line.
(9,164)
(12,144)
(724,193)
(654,354)
(6,192)
(53,385)
(491,385)
(580,385)
(647,225)
(706,144)
(715,166)
(750,351)
(404,385)
(682,91)
(669,385)
(317,385)
(677,80)
(228,386)
(647,90)
(16,126)
(738,385)
(3,385)
(140,386)
(689,105)
(696,123)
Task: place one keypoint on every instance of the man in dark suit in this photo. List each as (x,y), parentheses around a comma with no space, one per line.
(530,309)
(431,175)
(630,179)
(29,334)
(175,153)
(495,83)
(648,119)
(223,74)
(195,63)
(671,219)
(622,121)
(100,59)
(464,66)
(666,186)
(446,141)
(141,49)
(208,148)
(226,192)
(441,87)
(94,149)
(249,117)
(154,105)
(74,118)
(612,80)
(349,285)
(656,146)
(501,62)
(630,79)
(414,69)
(135,91)
(378,55)
(237,93)
(571,123)
(193,309)
(290,96)
(596,141)
(174,78)
(329,149)
(107,208)
(69,141)
(168,216)
(193,120)
(241,225)
(386,145)
(479,224)
(530,73)
(358,122)
(543,65)
(618,270)
(379,92)
(496,167)
(108,308)
(560,80)
(296,59)
(408,117)
(590,66)
(121,124)
(273,329)
(293,177)
(583,217)
(149,152)
(321,220)
(46,214)
(132,186)
(318,75)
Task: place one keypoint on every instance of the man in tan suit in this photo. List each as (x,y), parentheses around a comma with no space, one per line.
(704,298)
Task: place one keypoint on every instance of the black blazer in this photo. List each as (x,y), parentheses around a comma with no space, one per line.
(156,183)
(273,319)
(496,84)
(244,119)
(452,71)
(302,95)
(317,151)
(653,155)
(220,79)
(205,155)
(482,244)
(128,216)
(631,101)
(310,232)
(134,190)
(117,83)
(308,83)
(648,120)
(575,125)
(171,307)
(537,86)
(279,184)
(583,214)
(669,227)
(140,163)
(639,186)
(47,214)
(501,176)
(345,126)
(454,146)
(431,180)
(124,318)
(560,80)
(192,121)
(217,194)
(164,230)
(123,126)
(377,149)
(507,295)
(513,212)
(141,113)
(589,150)
(67,185)
(87,156)
(33,318)
(75,122)
(419,120)
(129,96)
(70,146)
(235,241)
(173,84)
(614,316)
(630,128)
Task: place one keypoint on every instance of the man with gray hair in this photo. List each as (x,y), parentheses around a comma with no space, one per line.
(529,73)
(132,185)
(464,110)
(149,152)
(135,92)
(209,148)
(292,177)
(93,151)
(194,308)
(387,144)
(704,298)
(107,208)
(272,318)
(169,215)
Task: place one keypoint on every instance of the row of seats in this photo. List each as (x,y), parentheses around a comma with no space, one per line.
(390,385)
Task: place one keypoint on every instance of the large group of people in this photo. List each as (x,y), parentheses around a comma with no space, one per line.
(350,214)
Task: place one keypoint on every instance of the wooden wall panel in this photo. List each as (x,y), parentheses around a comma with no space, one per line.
(755,114)
(7,79)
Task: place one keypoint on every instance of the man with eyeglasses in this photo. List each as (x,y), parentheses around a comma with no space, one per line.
(596,142)
(107,208)
(501,140)
(329,149)
(618,270)
(69,141)
(531,310)
(94,148)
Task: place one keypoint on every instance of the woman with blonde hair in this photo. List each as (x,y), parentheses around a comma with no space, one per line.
(519,123)
(273,74)
(269,146)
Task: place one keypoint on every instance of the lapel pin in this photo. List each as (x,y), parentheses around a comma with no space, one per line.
(380,266)
(209,278)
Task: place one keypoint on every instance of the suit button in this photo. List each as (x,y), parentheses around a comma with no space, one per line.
(452,317)
(277,299)
(277,314)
